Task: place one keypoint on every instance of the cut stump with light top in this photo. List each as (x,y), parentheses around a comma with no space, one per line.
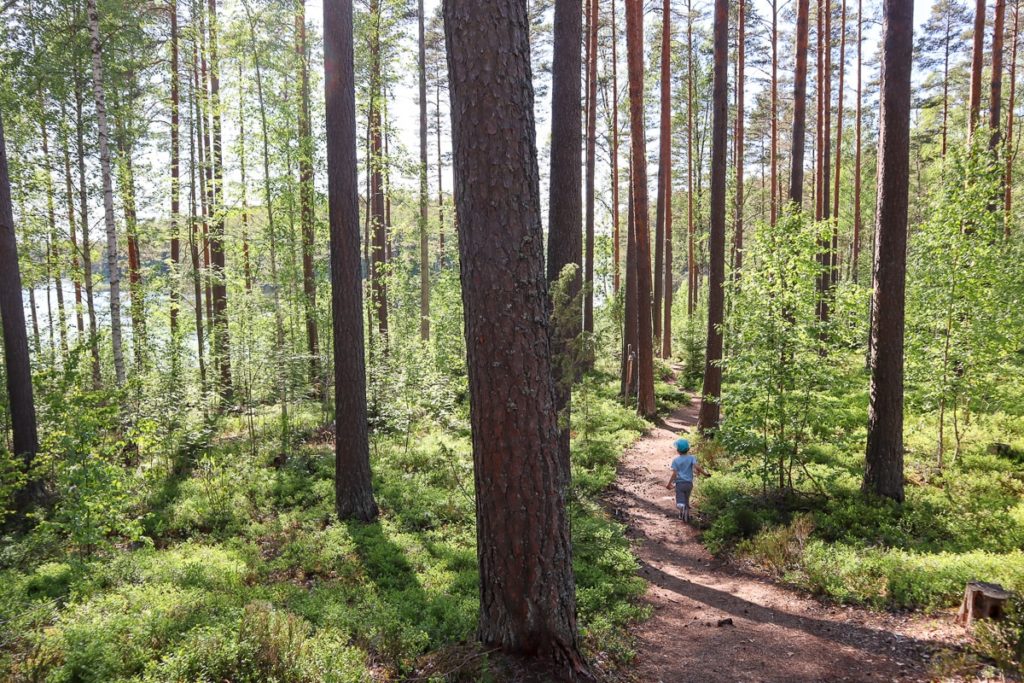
(982,601)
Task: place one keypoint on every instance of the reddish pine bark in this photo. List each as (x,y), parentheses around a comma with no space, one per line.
(664,200)
(588,271)
(353,492)
(16,354)
(796,177)
(638,138)
(707,419)
(527,594)
(616,236)
(977,63)
(855,265)
(737,243)
(883,474)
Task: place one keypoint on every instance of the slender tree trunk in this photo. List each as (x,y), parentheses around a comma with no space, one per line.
(307,199)
(16,355)
(126,183)
(246,261)
(819,122)
(588,272)
(707,419)
(630,338)
(663,205)
(796,177)
(616,237)
(775,114)
(220,293)
(527,596)
(737,243)
(565,203)
(194,141)
(83,198)
(691,228)
(995,99)
(977,63)
(69,201)
(424,188)
(378,255)
(945,78)
(839,128)
(883,474)
(440,184)
(114,277)
(175,190)
(638,143)
(855,265)
(1008,183)
(51,222)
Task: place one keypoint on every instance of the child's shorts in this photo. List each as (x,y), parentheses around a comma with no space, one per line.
(683,490)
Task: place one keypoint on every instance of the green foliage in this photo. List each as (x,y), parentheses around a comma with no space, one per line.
(1003,641)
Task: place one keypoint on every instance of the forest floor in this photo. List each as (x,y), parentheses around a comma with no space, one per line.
(714,621)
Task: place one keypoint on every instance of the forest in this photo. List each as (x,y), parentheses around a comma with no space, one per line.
(355,341)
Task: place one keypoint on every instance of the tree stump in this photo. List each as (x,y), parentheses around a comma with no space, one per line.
(982,601)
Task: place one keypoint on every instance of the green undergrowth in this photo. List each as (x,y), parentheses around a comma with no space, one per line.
(241,572)
(961,522)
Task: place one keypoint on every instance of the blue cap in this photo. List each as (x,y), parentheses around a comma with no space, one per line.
(682,445)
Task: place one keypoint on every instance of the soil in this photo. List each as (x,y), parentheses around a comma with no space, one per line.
(716,621)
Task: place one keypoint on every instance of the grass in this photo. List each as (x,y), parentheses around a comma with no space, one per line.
(242,573)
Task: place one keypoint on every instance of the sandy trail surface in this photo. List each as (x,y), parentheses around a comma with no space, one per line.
(713,621)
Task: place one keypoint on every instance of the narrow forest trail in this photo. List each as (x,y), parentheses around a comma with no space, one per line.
(777,634)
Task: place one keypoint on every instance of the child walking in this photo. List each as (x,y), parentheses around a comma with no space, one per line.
(683,467)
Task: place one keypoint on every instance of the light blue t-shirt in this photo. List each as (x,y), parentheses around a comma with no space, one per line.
(683,466)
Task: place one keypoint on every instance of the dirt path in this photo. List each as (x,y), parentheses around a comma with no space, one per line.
(776,634)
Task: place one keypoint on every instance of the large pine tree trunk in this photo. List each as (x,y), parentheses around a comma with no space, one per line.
(638,143)
(883,474)
(220,293)
(527,594)
(707,419)
(114,277)
(353,490)
(630,327)
(796,176)
(588,269)
(306,201)
(424,189)
(16,355)
(565,203)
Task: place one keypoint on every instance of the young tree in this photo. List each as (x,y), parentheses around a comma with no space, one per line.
(527,594)
(796,176)
(114,277)
(16,355)
(565,201)
(353,492)
(883,474)
(941,42)
(638,138)
(707,419)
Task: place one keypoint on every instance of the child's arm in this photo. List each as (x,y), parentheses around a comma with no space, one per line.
(671,480)
(700,470)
